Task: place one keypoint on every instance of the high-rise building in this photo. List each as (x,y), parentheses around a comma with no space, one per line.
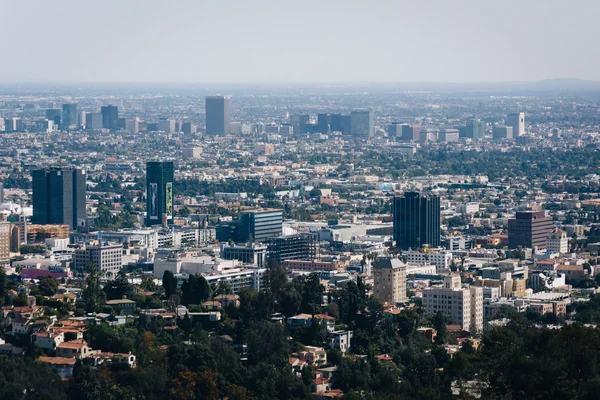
(166,125)
(336,123)
(448,135)
(529,229)
(1,192)
(106,258)
(59,197)
(252,226)
(301,246)
(389,284)
(217,114)
(132,125)
(411,133)
(93,121)
(53,114)
(69,114)
(324,123)
(394,130)
(362,123)
(110,116)
(416,221)
(464,306)
(517,121)
(502,132)
(188,128)
(5,236)
(475,129)
(159,192)
(12,124)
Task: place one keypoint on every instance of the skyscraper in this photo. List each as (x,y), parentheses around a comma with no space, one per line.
(517,121)
(394,130)
(475,129)
(217,114)
(59,197)
(93,121)
(362,124)
(53,114)
(69,114)
(416,221)
(323,123)
(159,191)
(110,116)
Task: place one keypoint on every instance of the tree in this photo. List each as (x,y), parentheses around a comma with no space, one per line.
(169,283)
(119,288)
(3,282)
(195,290)
(315,192)
(47,285)
(93,296)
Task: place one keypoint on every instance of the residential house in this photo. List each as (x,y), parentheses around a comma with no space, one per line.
(75,348)
(341,340)
(63,366)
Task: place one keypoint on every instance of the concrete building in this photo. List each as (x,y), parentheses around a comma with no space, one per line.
(93,121)
(110,116)
(502,132)
(464,306)
(389,280)
(166,125)
(440,258)
(250,253)
(558,242)
(362,124)
(192,153)
(5,236)
(517,122)
(448,135)
(217,115)
(529,229)
(106,258)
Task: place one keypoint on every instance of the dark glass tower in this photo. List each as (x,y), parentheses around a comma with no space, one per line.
(159,192)
(69,114)
(110,117)
(416,221)
(217,115)
(59,196)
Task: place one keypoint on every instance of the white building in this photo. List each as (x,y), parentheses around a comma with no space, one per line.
(341,340)
(464,306)
(558,242)
(389,280)
(441,259)
(106,258)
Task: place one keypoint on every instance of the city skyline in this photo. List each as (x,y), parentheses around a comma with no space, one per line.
(462,41)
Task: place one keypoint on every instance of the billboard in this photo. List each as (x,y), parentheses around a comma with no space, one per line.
(169,199)
(153,196)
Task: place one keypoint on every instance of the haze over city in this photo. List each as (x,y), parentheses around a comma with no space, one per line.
(299,42)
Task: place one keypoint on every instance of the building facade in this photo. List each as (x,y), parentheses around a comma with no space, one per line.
(159,192)
(217,115)
(362,124)
(389,280)
(59,196)
(110,116)
(106,258)
(529,229)
(464,306)
(517,122)
(558,242)
(416,221)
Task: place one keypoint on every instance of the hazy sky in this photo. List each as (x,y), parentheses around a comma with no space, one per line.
(298,40)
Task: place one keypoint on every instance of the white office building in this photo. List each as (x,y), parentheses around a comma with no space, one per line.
(464,306)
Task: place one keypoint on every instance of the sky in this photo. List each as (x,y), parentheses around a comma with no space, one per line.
(298,41)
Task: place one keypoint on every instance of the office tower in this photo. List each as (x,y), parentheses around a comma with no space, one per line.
(106,258)
(362,124)
(11,124)
(166,125)
(5,236)
(300,123)
(394,130)
(250,253)
(69,114)
(464,306)
(502,132)
(448,135)
(188,128)
(475,129)
(286,130)
(59,197)
(410,133)
(252,226)
(110,116)
(416,221)
(428,135)
(217,115)
(53,114)
(44,125)
(301,246)
(93,121)
(517,121)
(529,229)
(335,124)
(1,192)
(389,280)
(159,191)
(324,123)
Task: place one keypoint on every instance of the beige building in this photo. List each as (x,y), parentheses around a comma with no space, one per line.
(558,242)
(389,280)
(464,306)
(5,231)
